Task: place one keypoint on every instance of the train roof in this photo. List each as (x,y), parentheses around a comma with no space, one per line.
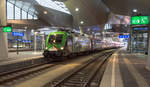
(58,32)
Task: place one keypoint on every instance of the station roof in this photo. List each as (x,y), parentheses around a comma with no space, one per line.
(56,5)
(83,12)
(53,12)
(29,5)
(125,7)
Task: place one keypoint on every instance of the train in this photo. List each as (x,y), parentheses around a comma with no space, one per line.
(61,44)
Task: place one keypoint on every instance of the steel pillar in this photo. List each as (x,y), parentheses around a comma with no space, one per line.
(148,57)
(3,36)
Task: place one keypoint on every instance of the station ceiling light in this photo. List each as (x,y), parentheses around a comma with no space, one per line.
(135,10)
(45,12)
(82,22)
(32,31)
(35,32)
(25,27)
(76,9)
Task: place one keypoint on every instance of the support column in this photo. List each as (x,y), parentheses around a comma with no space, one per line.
(35,44)
(102,35)
(148,57)
(43,42)
(102,30)
(28,34)
(3,36)
(129,45)
(81,30)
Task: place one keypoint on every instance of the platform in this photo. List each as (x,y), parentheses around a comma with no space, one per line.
(126,70)
(25,55)
(20,49)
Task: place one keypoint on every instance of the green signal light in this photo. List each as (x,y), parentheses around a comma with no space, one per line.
(7,29)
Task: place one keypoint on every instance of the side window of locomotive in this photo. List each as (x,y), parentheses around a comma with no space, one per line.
(59,38)
(51,39)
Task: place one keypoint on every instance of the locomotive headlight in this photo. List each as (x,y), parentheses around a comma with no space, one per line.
(62,48)
(54,41)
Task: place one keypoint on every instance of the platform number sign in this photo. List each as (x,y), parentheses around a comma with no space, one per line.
(139,20)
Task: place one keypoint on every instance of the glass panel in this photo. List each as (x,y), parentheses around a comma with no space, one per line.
(11,1)
(51,39)
(35,17)
(10,14)
(24,15)
(31,11)
(55,38)
(19,4)
(53,5)
(35,12)
(26,6)
(17,13)
(59,38)
(30,16)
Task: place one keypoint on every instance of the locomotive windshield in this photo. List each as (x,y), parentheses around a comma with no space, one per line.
(56,38)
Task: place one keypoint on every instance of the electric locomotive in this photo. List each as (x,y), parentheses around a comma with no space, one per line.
(62,43)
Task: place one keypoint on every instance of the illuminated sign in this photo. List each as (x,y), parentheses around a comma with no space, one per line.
(19,40)
(26,41)
(7,29)
(139,20)
(95,28)
(124,36)
(141,28)
(17,34)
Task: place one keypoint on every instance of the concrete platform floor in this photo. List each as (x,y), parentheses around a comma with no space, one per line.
(126,70)
(26,55)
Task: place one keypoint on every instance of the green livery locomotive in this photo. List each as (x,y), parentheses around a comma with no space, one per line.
(63,44)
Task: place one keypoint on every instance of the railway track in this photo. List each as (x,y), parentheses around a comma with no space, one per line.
(83,76)
(12,77)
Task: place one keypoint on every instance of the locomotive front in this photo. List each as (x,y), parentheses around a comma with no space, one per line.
(55,44)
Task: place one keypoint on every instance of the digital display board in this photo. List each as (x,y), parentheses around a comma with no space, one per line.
(17,34)
(139,20)
(141,28)
(26,41)
(7,29)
